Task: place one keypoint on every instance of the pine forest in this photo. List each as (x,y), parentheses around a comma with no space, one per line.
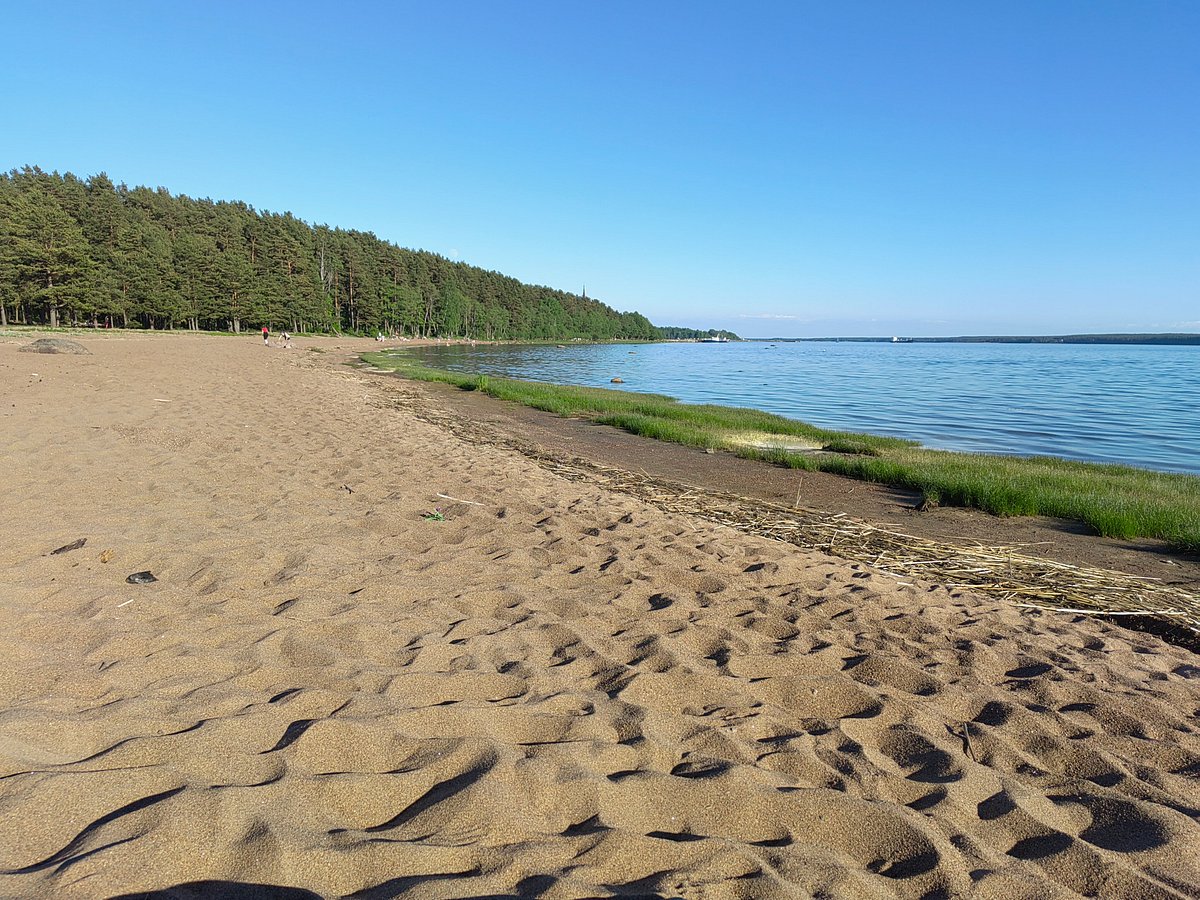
(94,253)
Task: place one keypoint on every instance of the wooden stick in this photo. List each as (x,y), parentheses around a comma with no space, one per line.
(456,500)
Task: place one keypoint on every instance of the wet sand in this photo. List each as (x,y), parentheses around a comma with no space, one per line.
(345,684)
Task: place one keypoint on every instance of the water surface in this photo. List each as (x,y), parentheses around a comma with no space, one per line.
(1122,404)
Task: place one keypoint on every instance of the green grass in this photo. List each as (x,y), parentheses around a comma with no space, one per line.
(1116,501)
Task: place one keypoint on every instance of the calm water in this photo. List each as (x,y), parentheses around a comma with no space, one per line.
(1134,405)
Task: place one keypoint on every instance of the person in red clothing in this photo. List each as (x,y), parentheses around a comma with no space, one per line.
(266,336)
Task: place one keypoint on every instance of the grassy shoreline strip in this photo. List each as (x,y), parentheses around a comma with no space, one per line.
(1117,501)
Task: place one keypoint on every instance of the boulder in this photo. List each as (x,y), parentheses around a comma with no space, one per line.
(616,381)
(55,345)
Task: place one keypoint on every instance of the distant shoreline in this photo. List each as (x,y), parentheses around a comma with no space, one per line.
(1172,340)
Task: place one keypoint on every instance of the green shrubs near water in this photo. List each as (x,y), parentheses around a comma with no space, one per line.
(1117,501)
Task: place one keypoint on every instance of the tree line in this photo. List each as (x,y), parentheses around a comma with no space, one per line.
(675,333)
(88,251)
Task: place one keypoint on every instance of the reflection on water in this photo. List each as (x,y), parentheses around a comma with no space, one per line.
(1133,405)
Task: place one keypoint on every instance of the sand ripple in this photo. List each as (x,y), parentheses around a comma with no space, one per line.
(551,691)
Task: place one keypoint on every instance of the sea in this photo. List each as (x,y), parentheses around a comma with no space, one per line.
(1137,405)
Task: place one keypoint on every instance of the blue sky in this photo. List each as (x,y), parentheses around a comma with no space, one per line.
(775,168)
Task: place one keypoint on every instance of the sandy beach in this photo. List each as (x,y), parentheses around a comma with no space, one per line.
(379,661)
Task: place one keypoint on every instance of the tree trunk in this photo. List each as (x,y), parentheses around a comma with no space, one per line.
(53,305)
(3,316)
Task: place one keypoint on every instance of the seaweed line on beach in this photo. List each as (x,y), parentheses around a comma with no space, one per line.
(1003,573)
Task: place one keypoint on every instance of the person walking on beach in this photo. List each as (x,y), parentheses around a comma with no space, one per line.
(266,336)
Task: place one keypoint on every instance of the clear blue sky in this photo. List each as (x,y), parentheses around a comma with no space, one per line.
(776,168)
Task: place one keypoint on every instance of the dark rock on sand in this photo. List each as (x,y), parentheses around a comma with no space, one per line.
(55,345)
(67,548)
(141,578)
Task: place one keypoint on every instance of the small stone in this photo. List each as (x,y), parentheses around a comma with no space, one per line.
(617,381)
(141,578)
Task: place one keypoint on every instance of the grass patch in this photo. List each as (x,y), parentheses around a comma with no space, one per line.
(1116,501)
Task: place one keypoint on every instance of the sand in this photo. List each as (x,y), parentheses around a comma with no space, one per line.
(542,690)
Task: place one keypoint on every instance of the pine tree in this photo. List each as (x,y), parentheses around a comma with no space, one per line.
(47,250)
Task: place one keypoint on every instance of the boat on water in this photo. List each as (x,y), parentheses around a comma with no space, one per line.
(900,340)
(714,339)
